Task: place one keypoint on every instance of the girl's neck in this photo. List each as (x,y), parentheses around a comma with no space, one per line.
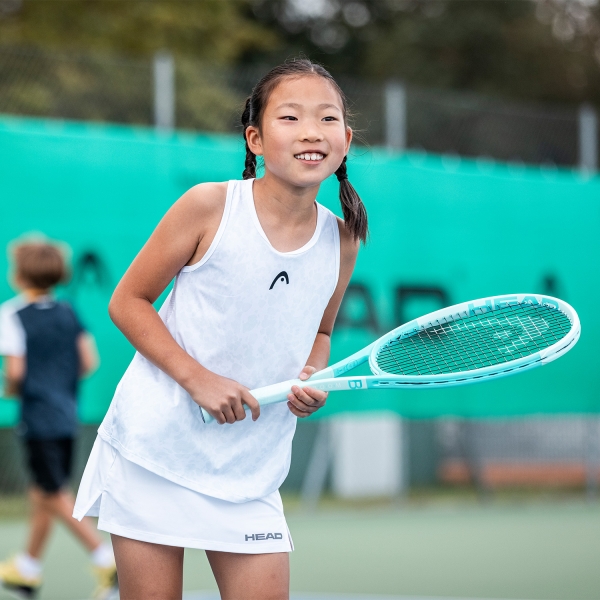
(287,214)
(284,202)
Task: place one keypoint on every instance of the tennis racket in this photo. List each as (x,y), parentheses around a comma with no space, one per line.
(466,343)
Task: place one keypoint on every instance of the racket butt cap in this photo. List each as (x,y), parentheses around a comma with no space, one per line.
(205,416)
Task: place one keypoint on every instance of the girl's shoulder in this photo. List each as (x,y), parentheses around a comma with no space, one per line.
(206,197)
(202,205)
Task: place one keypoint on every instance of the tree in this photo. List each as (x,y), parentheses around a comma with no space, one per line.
(542,49)
(210,30)
(92,59)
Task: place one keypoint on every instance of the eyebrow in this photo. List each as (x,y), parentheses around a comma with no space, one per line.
(296,105)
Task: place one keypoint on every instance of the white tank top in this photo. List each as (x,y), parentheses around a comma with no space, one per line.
(245,311)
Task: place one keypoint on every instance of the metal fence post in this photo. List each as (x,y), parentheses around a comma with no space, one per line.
(591,446)
(395,115)
(588,139)
(315,477)
(164,91)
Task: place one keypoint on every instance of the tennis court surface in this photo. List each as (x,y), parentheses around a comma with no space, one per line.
(542,549)
(212,596)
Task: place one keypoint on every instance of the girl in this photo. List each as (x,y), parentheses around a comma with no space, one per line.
(260,270)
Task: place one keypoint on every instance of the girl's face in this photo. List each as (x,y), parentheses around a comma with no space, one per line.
(303,137)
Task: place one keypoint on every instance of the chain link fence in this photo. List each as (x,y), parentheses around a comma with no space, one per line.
(115,89)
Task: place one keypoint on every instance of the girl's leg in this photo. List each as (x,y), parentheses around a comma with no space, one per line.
(148,571)
(251,576)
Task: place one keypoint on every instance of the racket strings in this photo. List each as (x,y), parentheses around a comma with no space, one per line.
(467,342)
(453,362)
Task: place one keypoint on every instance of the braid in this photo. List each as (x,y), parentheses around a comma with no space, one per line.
(250,164)
(355,214)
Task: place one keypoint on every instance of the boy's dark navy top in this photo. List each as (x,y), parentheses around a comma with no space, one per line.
(48,341)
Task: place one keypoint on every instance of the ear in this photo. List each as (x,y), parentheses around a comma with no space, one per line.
(254,141)
(349,134)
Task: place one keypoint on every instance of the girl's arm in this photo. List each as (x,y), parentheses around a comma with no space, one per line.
(304,402)
(181,238)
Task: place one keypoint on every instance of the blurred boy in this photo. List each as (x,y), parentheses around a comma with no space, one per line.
(46,351)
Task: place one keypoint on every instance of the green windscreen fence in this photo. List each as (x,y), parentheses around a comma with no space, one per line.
(443,231)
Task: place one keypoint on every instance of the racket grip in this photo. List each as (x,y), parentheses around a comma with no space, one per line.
(278,392)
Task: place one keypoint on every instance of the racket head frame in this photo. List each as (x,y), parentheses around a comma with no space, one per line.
(465,309)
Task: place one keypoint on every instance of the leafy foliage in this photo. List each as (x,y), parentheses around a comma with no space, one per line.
(219,31)
(533,49)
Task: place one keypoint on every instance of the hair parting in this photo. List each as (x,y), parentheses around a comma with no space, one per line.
(355,214)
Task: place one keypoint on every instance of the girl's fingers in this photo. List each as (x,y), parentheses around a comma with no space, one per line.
(298,413)
(310,396)
(219,417)
(305,402)
(307,372)
(238,410)
(299,405)
(252,403)
(229,414)
(317,395)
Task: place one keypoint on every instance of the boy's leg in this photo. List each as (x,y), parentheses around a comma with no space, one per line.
(251,576)
(148,571)
(61,504)
(40,523)
(50,465)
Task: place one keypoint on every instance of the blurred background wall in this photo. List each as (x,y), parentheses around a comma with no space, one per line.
(477,156)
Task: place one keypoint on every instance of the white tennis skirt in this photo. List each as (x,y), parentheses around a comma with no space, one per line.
(135,503)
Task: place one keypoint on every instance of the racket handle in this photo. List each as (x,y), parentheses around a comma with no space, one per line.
(278,392)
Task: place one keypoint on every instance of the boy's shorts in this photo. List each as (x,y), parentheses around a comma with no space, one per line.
(50,462)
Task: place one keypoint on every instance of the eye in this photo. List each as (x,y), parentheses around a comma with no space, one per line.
(330,119)
(289,118)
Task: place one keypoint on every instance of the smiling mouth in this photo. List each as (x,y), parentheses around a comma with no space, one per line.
(312,156)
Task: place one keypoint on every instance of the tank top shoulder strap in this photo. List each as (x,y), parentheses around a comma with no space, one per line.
(231,199)
(330,223)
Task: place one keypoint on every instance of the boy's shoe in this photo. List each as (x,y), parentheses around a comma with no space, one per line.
(15,583)
(108,585)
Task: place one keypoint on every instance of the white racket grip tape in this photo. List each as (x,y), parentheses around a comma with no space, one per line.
(278,392)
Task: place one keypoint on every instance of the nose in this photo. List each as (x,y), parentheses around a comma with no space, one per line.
(311,132)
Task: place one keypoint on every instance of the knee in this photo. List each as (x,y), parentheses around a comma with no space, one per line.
(45,498)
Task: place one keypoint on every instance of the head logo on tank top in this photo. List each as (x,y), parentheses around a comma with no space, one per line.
(283,276)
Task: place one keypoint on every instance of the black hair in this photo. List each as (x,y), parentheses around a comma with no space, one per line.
(355,214)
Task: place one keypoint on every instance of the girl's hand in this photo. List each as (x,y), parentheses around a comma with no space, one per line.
(305,401)
(223,398)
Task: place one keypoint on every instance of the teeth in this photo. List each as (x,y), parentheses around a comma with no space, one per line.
(310,156)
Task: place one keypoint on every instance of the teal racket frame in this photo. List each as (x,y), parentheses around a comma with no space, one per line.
(331,378)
